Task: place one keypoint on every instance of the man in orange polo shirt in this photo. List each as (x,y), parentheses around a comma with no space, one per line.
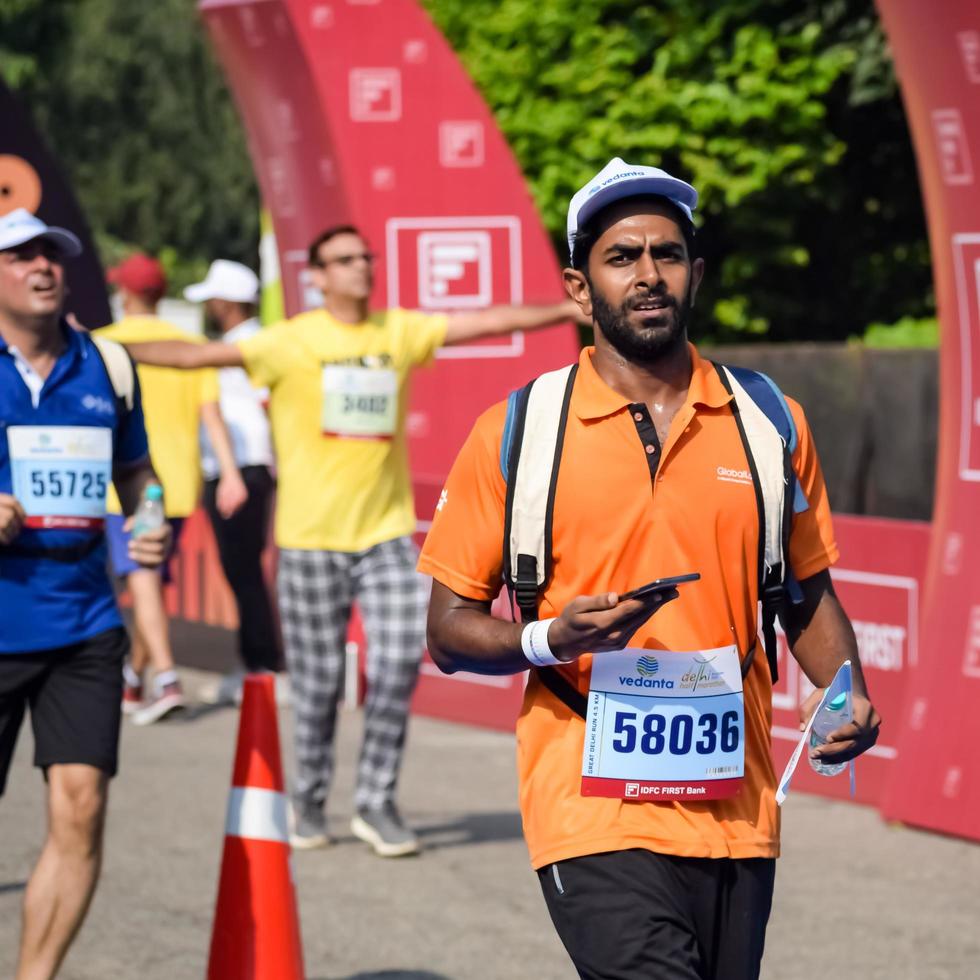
(645,490)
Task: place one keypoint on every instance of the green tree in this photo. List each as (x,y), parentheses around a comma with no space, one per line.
(132,103)
(31,34)
(784,114)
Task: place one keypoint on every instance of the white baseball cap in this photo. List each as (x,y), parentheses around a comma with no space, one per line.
(19,226)
(618,180)
(225,280)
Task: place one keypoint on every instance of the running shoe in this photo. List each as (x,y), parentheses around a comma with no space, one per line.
(384,830)
(170,699)
(307,828)
(225,690)
(132,698)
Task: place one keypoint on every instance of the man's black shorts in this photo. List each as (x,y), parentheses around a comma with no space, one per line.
(635,915)
(74,693)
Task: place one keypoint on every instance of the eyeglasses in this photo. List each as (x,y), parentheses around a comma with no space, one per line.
(29,251)
(368,257)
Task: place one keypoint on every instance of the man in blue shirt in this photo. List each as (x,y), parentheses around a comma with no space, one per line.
(65,431)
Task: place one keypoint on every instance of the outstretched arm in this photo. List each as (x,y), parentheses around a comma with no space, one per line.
(505,319)
(185,355)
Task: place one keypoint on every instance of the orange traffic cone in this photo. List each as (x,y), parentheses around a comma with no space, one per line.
(256,923)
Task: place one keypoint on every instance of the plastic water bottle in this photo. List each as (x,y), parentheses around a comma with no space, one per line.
(832,716)
(149,514)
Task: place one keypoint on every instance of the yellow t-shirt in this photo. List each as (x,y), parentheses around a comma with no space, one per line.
(172,401)
(338,395)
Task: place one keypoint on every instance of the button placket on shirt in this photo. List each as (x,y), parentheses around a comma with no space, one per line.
(647,432)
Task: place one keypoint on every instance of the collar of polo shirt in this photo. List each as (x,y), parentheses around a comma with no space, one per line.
(594,399)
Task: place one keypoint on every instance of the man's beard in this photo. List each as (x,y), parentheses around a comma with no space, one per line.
(642,345)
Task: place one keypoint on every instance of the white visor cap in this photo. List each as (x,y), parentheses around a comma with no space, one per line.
(225,280)
(618,180)
(20,226)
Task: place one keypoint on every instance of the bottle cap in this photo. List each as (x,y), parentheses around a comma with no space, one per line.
(838,702)
(154,491)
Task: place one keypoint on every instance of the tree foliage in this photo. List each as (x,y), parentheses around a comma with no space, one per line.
(784,114)
(132,103)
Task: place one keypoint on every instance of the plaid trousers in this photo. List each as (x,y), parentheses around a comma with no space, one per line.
(316,591)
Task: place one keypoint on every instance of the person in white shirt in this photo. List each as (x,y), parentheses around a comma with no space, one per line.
(230,292)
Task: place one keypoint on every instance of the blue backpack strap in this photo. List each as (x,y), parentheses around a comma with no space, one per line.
(510,425)
(766,394)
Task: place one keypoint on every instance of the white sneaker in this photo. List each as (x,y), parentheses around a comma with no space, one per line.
(170,699)
(307,829)
(227,689)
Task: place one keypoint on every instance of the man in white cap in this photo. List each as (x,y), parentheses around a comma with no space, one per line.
(647,789)
(230,292)
(71,422)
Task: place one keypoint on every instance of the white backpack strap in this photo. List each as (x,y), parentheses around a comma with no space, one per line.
(767,462)
(119,367)
(538,431)
(768,454)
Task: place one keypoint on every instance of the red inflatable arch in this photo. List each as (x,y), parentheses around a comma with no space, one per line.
(357,110)
(937,780)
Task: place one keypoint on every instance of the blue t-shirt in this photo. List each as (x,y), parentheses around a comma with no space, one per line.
(46,603)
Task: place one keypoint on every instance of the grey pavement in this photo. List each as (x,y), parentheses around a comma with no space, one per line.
(854,896)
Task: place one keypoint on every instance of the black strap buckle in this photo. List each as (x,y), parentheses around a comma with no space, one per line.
(526,587)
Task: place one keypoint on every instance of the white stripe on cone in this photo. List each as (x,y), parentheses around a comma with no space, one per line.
(259,814)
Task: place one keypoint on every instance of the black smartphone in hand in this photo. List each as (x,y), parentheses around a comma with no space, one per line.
(659,585)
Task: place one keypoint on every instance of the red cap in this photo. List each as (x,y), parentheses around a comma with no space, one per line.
(140,274)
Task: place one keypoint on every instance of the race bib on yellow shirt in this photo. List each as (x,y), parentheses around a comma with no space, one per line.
(359,402)
(665,726)
(61,474)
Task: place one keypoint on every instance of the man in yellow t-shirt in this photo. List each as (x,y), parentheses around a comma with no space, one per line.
(338,379)
(174,404)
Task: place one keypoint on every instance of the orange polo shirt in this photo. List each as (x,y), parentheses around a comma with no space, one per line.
(624,516)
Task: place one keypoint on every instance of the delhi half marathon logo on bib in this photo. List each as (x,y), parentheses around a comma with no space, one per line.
(647,666)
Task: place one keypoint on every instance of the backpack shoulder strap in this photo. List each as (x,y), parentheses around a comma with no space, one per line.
(530,456)
(768,433)
(119,367)
(534,433)
(772,402)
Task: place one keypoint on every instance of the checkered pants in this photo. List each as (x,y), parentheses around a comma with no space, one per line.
(316,591)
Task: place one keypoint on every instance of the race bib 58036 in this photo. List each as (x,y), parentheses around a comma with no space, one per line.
(61,473)
(664,726)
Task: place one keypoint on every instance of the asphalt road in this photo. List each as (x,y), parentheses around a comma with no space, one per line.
(854,897)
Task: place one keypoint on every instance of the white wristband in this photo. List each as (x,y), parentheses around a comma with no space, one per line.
(534,643)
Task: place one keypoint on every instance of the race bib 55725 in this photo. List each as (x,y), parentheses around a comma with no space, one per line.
(61,473)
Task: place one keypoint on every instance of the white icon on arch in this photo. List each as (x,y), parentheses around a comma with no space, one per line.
(461,143)
(442,263)
(970,52)
(455,269)
(375,94)
(954,153)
